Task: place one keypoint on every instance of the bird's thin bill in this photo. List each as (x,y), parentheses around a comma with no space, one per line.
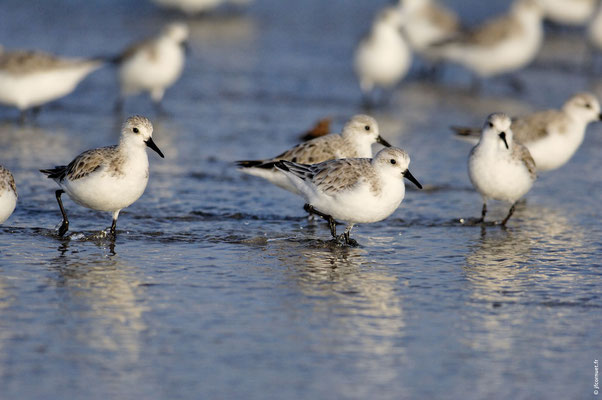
(408,175)
(153,146)
(382,141)
(502,136)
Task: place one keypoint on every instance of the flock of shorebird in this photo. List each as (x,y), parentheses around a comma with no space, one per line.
(336,174)
(498,46)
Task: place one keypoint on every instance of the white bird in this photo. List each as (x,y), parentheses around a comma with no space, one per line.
(154,64)
(356,140)
(499,167)
(29,79)
(427,22)
(108,178)
(197,6)
(594,29)
(383,57)
(8,194)
(505,44)
(552,136)
(568,12)
(353,190)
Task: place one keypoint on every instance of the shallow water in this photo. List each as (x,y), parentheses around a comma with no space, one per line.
(217,286)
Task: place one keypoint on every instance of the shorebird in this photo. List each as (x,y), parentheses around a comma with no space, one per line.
(552,136)
(107,178)
(353,190)
(383,57)
(355,141)
(499,167)
(30,79)
(153,65)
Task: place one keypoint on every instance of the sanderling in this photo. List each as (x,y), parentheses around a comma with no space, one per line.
(8,194)
(32,78)
(353,190)
(355,141)
(552,136)
(594,29)
(108,178)
(154,64)
(502,45)
(383,57)
(499,167)
(568,12)
(426,22)
(197,6)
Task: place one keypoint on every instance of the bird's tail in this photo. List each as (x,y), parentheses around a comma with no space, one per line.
(256,164)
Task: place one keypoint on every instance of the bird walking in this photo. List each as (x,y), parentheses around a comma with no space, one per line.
(499,167)
(353,190)
(30,79)
(107,178)
(153,65)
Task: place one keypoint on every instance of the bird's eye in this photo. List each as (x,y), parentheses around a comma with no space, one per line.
(490,124)
(393,161)
(367,127)
(587,105)
(135,130)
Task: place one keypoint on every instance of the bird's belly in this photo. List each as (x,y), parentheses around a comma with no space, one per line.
(554,151)
(360,207)
(38,88)
(105,192)
(8,201)
(500,180)
(143,74)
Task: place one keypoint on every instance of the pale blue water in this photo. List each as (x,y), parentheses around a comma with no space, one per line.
(218,287)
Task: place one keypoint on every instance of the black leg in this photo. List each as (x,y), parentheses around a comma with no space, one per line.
(331,222)
(114,224)
(65,224)
(483,213)
(348,240)
(35,111)
(509,214)
(22,117)
(308,210)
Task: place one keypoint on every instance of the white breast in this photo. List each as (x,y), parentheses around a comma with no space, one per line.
(8,201)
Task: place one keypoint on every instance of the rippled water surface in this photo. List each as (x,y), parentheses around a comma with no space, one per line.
(217,286)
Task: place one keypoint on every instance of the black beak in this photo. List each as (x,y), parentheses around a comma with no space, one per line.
(411,178)
(382,141)
(153,146)
(600,117)
(503,136)
(186,46)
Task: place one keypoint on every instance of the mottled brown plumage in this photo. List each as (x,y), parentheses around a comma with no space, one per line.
(27,62)
(7,180)
(336,176)
(89,162)
(521,153)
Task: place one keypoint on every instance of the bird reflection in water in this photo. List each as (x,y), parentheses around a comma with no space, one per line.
(99,301)
(356,304)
